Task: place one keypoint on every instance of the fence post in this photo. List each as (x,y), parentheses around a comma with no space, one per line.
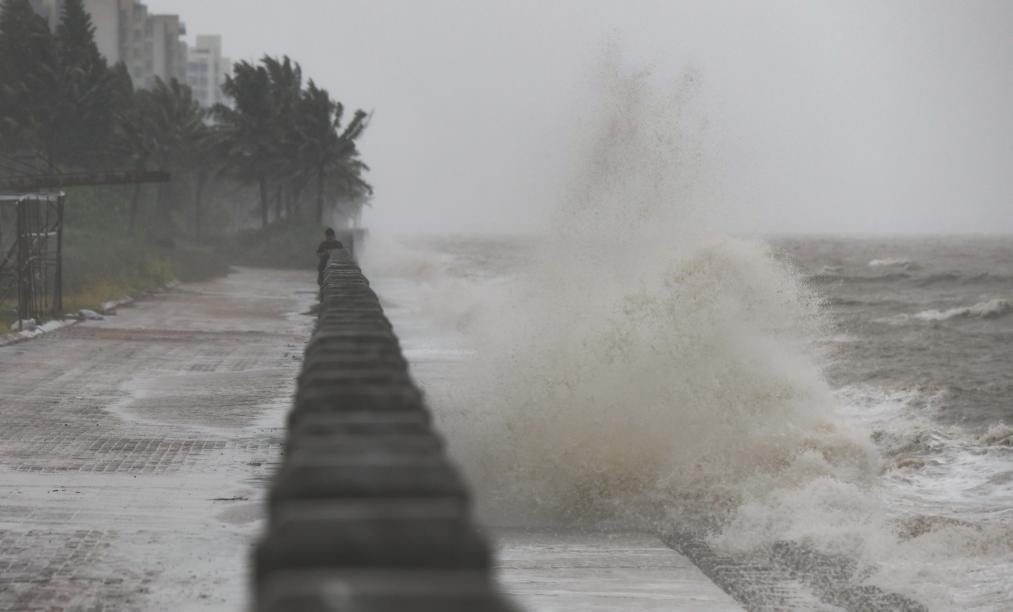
(22,302)
(58,280)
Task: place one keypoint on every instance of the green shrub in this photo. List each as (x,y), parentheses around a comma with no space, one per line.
(285,244)
(99,265)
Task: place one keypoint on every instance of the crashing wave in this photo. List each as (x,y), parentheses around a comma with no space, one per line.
(998,435)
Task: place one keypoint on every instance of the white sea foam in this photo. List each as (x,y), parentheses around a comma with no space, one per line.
(890,262)
(989,309)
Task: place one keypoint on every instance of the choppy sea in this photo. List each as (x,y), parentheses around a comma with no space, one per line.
(851,395)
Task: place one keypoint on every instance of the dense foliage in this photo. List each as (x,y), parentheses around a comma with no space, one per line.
(279,152)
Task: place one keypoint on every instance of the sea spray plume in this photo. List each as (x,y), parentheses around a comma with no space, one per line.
(648,360)
(638,145)
(648,365)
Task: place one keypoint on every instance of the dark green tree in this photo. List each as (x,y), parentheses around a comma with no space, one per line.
(88,96)
(29,78)
(75,36)
(248,128)
(286,88)
(326,151)
(165,128)
(176,126)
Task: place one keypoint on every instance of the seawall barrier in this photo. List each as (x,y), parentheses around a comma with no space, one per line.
(366,513)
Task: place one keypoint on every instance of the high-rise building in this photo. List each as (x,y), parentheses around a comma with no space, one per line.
(105,16)
(168,50)
(150,46)
(207,69)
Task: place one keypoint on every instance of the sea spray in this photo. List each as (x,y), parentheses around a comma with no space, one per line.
(647,359)
(639,367)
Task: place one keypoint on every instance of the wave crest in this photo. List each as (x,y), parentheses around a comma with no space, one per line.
(893,262)
(990,309)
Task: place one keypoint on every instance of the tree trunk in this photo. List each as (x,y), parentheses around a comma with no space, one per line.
(278,200)
(135,203)
(198,196)
(297,199)
(164,209)
(263,201)
(320,194)
(135,200)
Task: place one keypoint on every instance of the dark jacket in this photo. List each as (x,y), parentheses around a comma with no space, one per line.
(323,253)
(325,249)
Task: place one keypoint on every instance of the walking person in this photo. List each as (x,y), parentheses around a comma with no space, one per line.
(329,244)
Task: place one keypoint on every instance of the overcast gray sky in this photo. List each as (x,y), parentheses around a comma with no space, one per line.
(839,117)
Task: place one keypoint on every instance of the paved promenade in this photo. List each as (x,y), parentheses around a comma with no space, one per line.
(551,571)
(134,453)
(134,450)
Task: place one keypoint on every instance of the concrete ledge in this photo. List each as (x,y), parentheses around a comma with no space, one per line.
(380,591)
(366,513)
(360,422)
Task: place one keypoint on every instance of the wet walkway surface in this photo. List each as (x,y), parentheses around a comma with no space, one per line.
(134,450)
(134,454)
(548,571)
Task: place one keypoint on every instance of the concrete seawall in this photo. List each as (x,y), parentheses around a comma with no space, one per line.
(366,513)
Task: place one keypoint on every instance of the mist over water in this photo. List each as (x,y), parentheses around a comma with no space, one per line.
(646,354)
(638,366)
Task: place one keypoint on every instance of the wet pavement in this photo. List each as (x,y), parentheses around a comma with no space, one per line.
(552,571)
(134,450)
(134,453)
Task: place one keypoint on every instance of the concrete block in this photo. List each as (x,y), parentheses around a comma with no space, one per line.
(396,534)
(367,422)
(354,360)
(322,398)
(331,442)
(395,376)
(380,591)
(352,350)
(353,337)
(391,476)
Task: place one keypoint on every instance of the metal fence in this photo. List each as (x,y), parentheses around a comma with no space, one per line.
(31,247)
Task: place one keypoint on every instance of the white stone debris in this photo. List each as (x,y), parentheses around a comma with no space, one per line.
(24,325)
(109,308)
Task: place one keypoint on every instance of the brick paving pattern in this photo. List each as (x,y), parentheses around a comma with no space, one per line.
(133,451)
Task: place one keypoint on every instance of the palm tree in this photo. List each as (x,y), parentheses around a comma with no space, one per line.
(208,154)
(327,152)
(164,128)
(264,100)
(283,134)
(286,89)
(247,126)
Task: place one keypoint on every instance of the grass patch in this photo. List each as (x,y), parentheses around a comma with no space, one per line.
(102,261)
(286,244)
(100,266)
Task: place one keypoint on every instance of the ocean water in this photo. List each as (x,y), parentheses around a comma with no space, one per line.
(641,365)
(853,396)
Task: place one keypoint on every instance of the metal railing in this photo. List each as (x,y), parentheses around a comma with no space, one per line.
(31,268)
